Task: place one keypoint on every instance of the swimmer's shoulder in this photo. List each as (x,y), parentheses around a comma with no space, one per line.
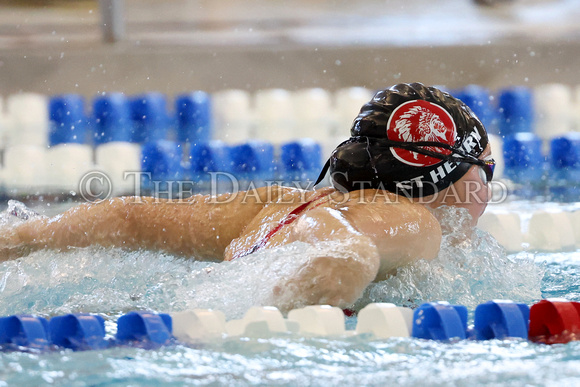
(375,205)
(295,196)
(399,227)
(379,201)
(366,196)
(258,195)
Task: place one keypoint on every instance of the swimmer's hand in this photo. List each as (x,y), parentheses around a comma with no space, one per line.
(337,278)
(344,263)
(11,247)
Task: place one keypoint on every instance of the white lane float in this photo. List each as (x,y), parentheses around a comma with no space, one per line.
(198,324)
(505,227)
(321,320)
(550,231)
(259,321)
(385,320)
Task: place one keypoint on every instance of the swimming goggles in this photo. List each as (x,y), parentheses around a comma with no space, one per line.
(487,166)
(457,155)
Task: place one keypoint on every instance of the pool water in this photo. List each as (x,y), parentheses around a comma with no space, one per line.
(111,282)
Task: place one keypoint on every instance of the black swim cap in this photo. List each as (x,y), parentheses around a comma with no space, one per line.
(409,139)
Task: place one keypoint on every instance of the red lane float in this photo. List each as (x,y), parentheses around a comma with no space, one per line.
(554,321)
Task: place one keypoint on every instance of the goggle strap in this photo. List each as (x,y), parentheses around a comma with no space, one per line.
(323,172)
(415,147)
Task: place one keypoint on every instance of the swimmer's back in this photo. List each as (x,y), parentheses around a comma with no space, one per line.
(273,224)
(401,230)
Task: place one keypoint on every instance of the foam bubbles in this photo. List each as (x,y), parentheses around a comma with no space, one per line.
(113,281)
(16,213)
(471,268)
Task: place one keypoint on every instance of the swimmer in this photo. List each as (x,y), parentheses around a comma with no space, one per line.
(411,148)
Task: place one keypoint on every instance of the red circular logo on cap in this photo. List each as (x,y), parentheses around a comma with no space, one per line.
(420,120)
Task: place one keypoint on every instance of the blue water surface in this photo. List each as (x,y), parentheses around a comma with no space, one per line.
(113,281)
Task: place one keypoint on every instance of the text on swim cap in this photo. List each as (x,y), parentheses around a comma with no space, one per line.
(438,174)
(443,170)
(471,142)
(408,184)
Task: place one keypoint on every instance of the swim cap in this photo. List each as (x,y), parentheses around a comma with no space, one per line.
(409,139)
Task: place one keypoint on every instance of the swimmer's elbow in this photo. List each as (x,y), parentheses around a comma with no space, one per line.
(426,241)
(431,236)
(337,278)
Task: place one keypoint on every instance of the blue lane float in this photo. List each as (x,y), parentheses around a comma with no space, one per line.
(112,119)
(144,328)
(516,110)
(253,162)
(440,321)
(478,99)
(564,176)
(500,320)
(193,116)
(149,113)
(79,332)
(24,331)
(68,122)
(161,164)
(300,161)
(525,163)
(146,117)
(207,158)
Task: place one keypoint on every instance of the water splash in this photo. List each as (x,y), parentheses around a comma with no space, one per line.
(471,268)
(16,213)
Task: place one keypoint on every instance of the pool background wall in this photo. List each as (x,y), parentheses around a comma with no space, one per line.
(57,47)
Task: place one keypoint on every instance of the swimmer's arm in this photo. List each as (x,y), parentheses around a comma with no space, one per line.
(364,242)
(201,226)
(403,232)
(347,263)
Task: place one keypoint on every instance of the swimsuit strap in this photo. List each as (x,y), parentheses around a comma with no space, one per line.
(286,220)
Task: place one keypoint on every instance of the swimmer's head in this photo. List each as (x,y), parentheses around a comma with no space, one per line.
(409,139)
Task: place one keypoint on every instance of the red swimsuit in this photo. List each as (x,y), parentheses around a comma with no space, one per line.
(286,220)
